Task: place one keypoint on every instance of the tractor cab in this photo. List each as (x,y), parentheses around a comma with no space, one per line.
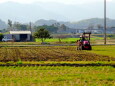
(84,42)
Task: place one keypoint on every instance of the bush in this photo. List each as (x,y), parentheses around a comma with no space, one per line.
(1,36)
(19,62)
(111,36)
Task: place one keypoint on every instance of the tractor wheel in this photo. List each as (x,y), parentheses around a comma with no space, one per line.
(90,48)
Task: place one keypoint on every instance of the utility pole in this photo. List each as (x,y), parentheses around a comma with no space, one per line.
(105,24)
(30,27)
(31,30)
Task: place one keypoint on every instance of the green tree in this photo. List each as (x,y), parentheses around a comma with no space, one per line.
(10,24)
(51,29)
(1,36)
(63,27)
(99,26)
(19,26)
(42,34)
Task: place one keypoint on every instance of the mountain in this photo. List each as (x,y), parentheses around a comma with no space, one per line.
(80,24)
(83,24)
(94,22)
(2,25)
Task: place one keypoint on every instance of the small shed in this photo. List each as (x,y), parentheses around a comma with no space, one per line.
(21,35)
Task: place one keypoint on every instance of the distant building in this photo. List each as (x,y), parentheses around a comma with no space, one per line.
(21,35)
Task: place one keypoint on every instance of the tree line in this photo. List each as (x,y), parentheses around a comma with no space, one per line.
(54,28)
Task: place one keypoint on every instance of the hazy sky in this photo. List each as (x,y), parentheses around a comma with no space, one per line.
(59,1)
(62,10)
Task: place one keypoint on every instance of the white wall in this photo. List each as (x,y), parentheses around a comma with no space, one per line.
(17,37)
(28,37)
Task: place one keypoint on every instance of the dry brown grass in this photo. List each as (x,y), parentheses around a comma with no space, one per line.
(61,53)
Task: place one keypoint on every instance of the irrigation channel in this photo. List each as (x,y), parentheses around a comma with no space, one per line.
(63,64)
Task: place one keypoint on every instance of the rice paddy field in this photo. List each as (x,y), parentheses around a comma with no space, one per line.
(57,76)
(56,53)
(16,75)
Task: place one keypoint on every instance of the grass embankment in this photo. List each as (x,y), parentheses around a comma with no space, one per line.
(58,76)
(19,43)
(59,63)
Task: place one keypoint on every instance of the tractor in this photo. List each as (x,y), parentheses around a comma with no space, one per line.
(84,42)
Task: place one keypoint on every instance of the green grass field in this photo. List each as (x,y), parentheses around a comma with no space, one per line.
(67,40)
(94,40)
(57,76)
(104,50)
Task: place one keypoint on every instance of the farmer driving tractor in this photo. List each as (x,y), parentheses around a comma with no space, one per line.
(84,43)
